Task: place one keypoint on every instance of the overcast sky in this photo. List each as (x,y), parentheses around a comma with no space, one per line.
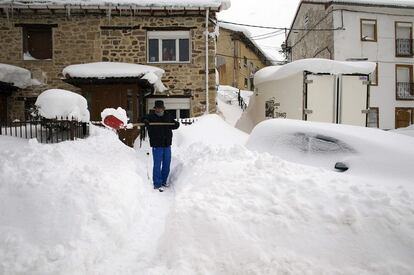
(275,13)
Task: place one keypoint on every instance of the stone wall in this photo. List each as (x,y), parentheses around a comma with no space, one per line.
(307,43)
(80,39)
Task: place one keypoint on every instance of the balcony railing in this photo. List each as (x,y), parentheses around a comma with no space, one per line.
(404,47)
(405,91)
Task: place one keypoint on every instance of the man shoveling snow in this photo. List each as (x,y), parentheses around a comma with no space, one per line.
(160,140)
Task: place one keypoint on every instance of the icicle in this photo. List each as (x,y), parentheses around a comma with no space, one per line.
(68,11)
(6,10)
(108,13)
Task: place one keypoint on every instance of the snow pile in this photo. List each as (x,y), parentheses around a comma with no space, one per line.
(66,208)
(243,212)
(16,76)
(210,129)
(230,94)
(313,65)
(222,4)
(119,113)
(57,103)
(408,131)
(85,207)
(228,103)
(102,70)
(323,144)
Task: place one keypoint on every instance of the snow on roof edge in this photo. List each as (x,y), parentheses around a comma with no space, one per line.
(220,5)
(102,70)
(313,65)
(247,34)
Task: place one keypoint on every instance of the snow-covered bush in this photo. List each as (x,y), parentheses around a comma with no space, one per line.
(57,103)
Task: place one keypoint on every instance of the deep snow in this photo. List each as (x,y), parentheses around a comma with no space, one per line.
(88,207)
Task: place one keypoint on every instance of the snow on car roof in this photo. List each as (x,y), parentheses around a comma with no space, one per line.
(313,65)
(219,4)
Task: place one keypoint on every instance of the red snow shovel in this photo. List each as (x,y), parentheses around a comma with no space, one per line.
(113,122)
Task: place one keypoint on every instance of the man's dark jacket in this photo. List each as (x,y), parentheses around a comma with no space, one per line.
(160,135)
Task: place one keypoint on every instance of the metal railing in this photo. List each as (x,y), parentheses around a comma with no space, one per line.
(405,90)
(46,130)
(404,47)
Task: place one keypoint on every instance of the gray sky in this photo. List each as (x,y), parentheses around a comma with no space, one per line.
(275,13)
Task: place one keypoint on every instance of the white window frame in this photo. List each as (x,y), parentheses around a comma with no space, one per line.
(164,35)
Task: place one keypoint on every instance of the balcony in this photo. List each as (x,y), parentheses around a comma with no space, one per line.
(404,47)
(405,91)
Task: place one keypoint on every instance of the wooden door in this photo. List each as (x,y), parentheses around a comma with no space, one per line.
(3,108)
(403,117)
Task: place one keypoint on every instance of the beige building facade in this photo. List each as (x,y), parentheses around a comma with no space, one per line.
(238,58)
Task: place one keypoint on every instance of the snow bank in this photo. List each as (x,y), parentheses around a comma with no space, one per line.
(367,152)
(222,4)
(104,70)
(119,113)
(408,131)
(17,76)
(68,207)
(243,212)
(209,129)
(228,104)
(313,65)
(61,103)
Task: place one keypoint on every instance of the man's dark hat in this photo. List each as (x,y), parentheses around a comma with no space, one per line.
(159,104)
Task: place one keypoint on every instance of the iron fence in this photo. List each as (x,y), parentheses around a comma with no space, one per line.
(46,130)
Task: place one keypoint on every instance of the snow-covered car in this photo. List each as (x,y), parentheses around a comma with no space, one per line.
(362,150)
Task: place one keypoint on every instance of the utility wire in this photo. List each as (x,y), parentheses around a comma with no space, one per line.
(254,59)
(275,28)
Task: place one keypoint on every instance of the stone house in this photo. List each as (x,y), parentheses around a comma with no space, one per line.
(47,36)
(356,30)
(238,57)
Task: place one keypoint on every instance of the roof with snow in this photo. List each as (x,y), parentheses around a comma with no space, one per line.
(16,76)
(396,3)
(313,65)
(246,37)
(111,70)
(153,4)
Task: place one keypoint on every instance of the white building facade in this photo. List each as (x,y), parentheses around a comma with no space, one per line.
(377,31)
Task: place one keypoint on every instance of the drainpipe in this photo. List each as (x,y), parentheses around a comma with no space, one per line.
(207,33)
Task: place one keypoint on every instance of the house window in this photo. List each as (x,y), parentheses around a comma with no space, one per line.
(403,39)
(404,82)
(245,61)
(37,42)
(374,77)
(404,117)
(169,46)
(369,30)
(246,82)
(373,117)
